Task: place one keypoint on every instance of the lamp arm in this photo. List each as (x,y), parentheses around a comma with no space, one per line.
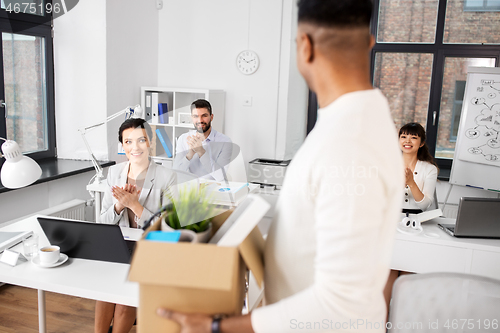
(84,129)
(97,166)
(128,111)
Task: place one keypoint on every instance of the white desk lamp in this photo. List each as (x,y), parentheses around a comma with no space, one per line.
(18,170)
(130,112)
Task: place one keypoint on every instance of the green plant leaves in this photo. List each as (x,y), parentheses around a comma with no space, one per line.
(192,210)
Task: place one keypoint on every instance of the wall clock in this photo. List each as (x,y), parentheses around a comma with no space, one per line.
(247,62)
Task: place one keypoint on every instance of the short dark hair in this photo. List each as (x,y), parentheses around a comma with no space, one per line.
(134,123)
(336,13)
(201,104)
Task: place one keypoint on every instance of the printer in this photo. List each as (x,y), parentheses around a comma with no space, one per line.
(267,172)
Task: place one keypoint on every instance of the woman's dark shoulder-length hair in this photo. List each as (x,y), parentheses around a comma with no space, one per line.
(423,152)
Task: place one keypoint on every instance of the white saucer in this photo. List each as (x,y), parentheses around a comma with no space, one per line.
(62,259)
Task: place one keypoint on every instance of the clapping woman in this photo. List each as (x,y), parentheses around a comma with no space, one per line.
(420,169)
(137,190)
(420,178)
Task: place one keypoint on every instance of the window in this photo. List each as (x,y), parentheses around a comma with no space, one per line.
(420,61)
(26,79)
(457,109)
(481,5)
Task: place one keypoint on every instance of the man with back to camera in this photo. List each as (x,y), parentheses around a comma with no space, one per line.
(329,247)
(203,151)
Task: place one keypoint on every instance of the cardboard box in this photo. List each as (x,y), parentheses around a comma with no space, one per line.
(194,278)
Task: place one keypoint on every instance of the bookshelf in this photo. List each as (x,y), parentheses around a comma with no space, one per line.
(178,122)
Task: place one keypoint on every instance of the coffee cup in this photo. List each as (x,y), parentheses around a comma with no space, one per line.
(49,254)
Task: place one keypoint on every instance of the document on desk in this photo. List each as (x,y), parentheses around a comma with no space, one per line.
(11,238)
(234,191)
(131,234)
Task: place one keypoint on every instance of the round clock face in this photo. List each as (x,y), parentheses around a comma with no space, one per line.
(247,62)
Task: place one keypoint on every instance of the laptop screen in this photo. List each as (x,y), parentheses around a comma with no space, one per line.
(86,240)
(478,217)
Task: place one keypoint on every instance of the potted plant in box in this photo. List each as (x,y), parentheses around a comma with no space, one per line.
(191,213)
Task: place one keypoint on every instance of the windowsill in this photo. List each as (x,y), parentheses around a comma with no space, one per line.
(53,168)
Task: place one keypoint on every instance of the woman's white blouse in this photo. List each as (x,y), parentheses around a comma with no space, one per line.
(425,176)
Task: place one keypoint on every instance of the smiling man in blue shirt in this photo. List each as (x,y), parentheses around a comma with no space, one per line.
(203,151)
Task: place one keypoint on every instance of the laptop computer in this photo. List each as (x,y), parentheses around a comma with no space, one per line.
(87,240)
(477,217)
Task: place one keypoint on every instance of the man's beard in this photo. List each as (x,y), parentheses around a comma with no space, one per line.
(200,129)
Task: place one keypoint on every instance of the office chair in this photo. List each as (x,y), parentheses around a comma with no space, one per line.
(444,302)
(435,204)
(237,169)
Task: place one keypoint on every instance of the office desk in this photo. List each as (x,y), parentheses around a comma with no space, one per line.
(99,280)
(423,254)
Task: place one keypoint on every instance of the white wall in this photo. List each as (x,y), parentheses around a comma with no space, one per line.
(131,58)
(29,200)
(198,44)
(104,51)
(80,78)
(293,90)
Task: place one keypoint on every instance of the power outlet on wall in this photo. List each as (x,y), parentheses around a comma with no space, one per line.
(247,100)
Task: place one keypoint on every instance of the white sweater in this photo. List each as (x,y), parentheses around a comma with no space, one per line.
(425,176)
(328,250)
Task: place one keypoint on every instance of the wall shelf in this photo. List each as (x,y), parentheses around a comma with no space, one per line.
(179,101)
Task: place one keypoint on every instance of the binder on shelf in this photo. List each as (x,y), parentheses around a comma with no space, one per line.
(163,113)
(154,108)
(165,141)
(147,114)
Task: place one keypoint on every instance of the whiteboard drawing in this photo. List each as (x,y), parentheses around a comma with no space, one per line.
(477,152)
(482,125)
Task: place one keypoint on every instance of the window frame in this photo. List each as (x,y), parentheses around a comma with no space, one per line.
(457,107)
(440,51)
(483,8)
(37,26)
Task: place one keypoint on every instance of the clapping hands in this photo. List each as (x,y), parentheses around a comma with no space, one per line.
(127,196)
(408,176)
(195,145)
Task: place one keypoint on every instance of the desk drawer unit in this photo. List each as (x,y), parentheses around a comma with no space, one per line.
(420,257)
